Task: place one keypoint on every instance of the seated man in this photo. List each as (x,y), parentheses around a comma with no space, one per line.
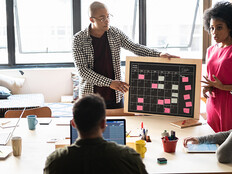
(91,153)
(224,139)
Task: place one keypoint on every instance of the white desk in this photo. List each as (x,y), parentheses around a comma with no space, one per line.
(36,149)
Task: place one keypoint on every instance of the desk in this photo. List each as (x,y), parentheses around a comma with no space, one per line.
(36,149)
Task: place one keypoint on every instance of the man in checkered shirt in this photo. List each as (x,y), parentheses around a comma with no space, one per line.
(96,52)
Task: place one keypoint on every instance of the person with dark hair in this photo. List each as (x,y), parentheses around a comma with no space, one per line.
(96,52)
(218,81)
(224,139)
(91,153)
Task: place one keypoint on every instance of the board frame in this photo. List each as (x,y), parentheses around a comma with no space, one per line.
(197,62)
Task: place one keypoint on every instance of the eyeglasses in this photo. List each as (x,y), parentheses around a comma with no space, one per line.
(103,19)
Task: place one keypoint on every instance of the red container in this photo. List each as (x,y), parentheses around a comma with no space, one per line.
(169,145)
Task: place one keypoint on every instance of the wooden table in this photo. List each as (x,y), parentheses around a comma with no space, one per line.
(36,149)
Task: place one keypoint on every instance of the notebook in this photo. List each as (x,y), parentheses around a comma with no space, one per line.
(5,136)
(115,131)
(202,148)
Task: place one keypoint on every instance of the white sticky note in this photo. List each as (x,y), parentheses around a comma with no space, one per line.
(160,86)
(174,100)
(174,94)
(174,87)
(161,78)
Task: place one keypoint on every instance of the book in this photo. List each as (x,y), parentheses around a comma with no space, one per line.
(201,148)
(186,123)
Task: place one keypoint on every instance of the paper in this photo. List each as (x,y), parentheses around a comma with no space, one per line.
(154,85)
(187,87)
(139,108)
(185,79)
(167,110)
(140,100)
(161,78)
(141,76)
(160,102)
(187,97)
(5,151)
(167,101)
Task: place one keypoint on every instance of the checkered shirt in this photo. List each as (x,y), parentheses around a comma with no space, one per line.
(83,54)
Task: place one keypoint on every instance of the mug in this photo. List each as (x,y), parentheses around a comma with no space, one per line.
(140,147)
(16,143)
(32,121)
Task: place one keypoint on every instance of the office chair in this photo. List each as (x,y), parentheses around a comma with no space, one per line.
(40,112)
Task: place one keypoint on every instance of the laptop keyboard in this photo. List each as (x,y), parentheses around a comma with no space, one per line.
(4,138)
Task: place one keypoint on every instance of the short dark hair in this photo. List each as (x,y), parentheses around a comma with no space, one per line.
(221,11)
(88,112)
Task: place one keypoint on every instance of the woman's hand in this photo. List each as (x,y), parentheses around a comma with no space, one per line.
(207,89)
(193,140)
(216,83)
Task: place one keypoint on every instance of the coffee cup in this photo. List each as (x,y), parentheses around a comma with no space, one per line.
(140,147)
(16,143)
(32,121)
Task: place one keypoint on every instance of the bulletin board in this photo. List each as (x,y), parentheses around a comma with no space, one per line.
(162,86)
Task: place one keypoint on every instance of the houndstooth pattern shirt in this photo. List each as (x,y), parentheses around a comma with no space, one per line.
(83,54)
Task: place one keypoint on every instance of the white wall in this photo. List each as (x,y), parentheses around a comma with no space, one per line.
(51,82)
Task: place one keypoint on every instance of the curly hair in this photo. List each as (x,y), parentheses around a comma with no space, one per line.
(221,11)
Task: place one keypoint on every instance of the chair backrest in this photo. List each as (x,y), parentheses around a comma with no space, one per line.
(40,112)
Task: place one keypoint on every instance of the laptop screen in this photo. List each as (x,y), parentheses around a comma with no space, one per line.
(115,131)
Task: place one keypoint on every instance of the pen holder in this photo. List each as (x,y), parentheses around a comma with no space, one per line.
(169,145)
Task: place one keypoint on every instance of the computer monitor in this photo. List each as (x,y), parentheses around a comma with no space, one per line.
(115,131)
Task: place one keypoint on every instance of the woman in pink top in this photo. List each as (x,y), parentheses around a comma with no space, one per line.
(218,81)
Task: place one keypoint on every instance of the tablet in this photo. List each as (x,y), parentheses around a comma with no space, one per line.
(201,148)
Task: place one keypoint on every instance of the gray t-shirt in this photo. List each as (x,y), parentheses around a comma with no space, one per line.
(224,139)
(88,156)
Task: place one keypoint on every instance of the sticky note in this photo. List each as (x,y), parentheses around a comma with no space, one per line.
(160,102)
(175,87)
(187,87)
(188,104)
(141,76)
(186,110)
(187,97)
(174,94)
(154,85)
(160,86)
(174,100)
(167,101)
(161,78)
(167,110)
(139,108)
(140,100)
(185,79)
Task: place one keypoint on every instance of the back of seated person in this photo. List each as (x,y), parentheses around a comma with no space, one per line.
(91,153)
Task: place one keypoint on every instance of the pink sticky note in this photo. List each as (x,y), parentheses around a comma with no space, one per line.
(186,110)
(167,101)
(140,100)
(167,110)
(141,76)
(187,87)
(188,104)
(160,102)
(154,85)
(185,79)
(139,108)
(186,97)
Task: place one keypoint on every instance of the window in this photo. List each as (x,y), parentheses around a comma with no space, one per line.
(124,16)
(175,27)
(43,31)
(3,35)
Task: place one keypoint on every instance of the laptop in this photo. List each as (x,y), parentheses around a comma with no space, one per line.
(115,131)
(5,136)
